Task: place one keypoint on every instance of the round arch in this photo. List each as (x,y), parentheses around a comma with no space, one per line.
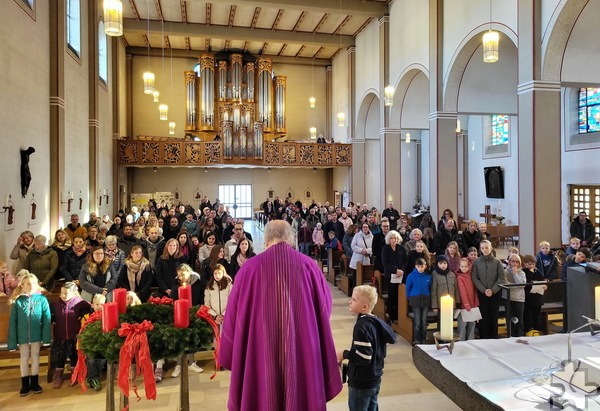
(402,86)
(367,120)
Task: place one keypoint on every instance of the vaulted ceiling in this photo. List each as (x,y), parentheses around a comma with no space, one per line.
(286,30)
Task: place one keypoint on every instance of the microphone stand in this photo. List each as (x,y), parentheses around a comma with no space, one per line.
(590,322)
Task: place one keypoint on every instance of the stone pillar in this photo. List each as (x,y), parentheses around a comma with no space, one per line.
(57,48)
(329,103)
(94,124)
(442,126)
(391,140)
(357,175)
(388,151)
(539,138)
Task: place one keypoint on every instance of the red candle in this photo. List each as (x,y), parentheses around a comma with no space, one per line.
(110,317)
(185,293)
(182,314)
(120,297)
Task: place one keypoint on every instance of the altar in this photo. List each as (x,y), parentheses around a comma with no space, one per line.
(507,374)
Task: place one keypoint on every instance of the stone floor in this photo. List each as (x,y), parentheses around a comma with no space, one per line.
(402,383)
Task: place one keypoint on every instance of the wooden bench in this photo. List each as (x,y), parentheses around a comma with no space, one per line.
(504,233)
(380,309)
(346,283)
(333,264)
(364,273)
(404,327)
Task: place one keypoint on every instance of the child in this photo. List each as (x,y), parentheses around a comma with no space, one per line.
(514,275)
(66,316)
(443,282)
(95,366)
(453,254)
(511,251)
(133,299)
(419,298)
(468,297)
(304,238)
(547,264)
(472,255)
(420,251)
(368,350)
(332,242)
(186,277)
(29,327)
(318,240)
(8,282)
(574,244)
(217,293)
(533,301)
(582,256)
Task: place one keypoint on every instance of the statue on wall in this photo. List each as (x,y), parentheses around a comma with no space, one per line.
(25,171)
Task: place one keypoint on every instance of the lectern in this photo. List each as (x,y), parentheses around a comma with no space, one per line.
(581,283)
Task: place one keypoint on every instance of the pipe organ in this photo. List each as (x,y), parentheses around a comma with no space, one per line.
(242,101)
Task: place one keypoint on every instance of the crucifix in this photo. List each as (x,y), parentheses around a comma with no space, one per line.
(487,214)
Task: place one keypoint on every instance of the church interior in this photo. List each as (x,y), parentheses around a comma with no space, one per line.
(368,101)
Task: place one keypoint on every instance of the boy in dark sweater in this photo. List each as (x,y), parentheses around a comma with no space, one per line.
(369,340)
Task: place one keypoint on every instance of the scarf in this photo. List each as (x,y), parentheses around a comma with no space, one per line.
(62,246)
(79,251)
(241,260)
(135,270)
(111,254)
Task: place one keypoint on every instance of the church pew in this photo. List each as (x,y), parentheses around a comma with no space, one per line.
(404,325)
(381,307)
(504,233)
(364,273)
(346,283)
(333,264)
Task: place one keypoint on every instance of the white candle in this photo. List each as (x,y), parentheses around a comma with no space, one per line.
(446,318)
(597,302)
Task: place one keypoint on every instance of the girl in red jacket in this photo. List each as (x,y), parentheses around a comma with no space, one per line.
(469,301)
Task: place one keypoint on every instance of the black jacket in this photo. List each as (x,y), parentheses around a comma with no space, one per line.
(369,340)
(585,232)
(71,265)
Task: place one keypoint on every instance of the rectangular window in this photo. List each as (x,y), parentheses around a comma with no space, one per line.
(499,129)
(237,198)
(102,54)
(586,198)
(74,26)
(589,110)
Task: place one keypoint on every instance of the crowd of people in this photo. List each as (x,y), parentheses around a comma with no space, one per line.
(160,248)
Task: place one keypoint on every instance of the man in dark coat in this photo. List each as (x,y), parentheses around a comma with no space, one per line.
(582,228)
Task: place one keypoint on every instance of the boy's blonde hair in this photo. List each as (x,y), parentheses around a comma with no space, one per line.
(545,243)
(369,294)
(135,300)
(513,250)
(99,299)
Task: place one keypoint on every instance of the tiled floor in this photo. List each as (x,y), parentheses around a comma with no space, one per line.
(402,383)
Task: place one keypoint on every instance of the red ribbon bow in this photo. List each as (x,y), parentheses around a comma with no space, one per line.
(203,313)
(80,372)
(160,301)
(136,347)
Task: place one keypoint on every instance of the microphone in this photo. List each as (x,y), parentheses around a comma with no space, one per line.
(592,321)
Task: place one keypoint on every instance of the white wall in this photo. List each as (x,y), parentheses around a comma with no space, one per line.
(367,62)
(340,96)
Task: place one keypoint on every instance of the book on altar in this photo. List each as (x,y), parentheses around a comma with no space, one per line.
(538,289)
(396,279)
(470,316)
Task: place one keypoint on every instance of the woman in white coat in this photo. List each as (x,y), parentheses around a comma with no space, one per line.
(362,247)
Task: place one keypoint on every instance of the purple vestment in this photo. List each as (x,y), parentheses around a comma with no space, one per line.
(277,338)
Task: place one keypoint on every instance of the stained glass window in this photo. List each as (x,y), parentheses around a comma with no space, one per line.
(499,129)
(589,110)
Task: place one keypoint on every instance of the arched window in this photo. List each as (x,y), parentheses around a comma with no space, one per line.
(102,54)
(74,26)
(197,69)
(589,110)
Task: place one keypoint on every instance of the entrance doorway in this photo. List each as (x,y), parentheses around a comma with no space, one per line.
(237,198)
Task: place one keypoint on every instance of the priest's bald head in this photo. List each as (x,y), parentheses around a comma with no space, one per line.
(279,231)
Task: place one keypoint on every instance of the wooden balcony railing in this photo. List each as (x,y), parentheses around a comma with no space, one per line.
(162,152)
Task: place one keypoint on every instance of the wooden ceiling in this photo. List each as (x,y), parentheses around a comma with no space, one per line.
(294,30)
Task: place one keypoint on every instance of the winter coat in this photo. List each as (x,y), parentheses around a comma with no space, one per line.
(487,273)
(19,252)
(468,294)
(44,265)
(153,251)
(516,293)
(166,273)
(72,265)
(443,284)
(216,300)
(360,242)
(29,321)
(585,231)
(142,288)
(550,272)
(91,285)
(369,348)
(418,289)
(67,315)
(8,283)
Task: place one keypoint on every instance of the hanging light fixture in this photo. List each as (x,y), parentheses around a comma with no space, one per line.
(156,95)
(113,18)
(163,109)
(407,140)
(149,79)
(312,102)
(341,118)
(458,129)
(171,127)
(313,133)
(490,43)
(389,96)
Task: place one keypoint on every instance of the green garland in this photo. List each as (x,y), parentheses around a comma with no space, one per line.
(165,340)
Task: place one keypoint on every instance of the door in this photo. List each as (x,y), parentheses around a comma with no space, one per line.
(237,199)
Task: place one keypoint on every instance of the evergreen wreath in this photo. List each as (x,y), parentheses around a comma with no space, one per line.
(165,340)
